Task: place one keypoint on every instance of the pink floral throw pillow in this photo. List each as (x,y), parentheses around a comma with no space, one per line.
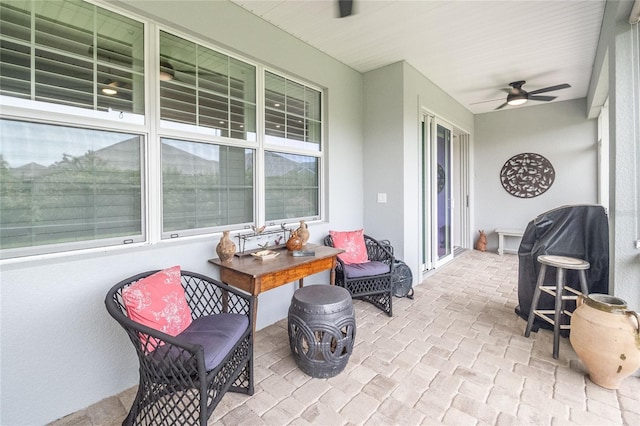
(352,242)
(158,301)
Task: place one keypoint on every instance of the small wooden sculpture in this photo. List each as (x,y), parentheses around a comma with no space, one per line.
(481,243)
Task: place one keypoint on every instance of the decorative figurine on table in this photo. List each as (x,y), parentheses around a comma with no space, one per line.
(226,248)
(294,242)
(303,232)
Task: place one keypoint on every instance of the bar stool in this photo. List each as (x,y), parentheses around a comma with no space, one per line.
(561,263)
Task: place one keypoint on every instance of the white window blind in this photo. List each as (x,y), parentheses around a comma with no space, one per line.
(72,53)
(203,87)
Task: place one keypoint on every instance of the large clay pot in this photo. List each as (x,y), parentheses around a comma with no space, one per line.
(226,248)
(303,232)
(606,338)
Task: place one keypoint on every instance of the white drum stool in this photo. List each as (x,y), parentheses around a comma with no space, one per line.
(559,291)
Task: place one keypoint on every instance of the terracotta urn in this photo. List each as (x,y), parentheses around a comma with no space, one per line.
(606,338)
(226,248)
(303,232)
(294,242)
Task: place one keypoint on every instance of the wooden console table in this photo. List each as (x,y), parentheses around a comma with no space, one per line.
(255,276)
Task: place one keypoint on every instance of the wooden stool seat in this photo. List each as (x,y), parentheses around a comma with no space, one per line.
(559,291)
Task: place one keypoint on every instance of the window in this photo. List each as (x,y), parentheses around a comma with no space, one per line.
(291,183)
(205,186)
(292,114)
(67,186)
(64,187)
(94,61)
(292,168)
(78,144)
(201,87)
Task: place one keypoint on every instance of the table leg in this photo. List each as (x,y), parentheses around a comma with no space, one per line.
(254,314)
(300,282)
(332,273)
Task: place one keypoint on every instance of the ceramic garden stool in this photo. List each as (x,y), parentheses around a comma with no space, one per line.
(560,292)
(322,329)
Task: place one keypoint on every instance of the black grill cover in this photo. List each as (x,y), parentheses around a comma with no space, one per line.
(580,231)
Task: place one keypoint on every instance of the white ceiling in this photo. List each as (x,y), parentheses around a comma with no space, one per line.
(471,49)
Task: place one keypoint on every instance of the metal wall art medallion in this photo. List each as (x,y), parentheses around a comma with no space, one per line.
(527,175)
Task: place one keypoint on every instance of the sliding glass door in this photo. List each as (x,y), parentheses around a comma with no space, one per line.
(437,205)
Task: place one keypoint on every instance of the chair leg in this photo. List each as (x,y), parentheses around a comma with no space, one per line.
(536,298)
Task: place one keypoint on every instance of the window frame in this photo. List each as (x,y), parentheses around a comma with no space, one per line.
(149,127)
(208,230)
(97,243)
(320,153)
(58,114)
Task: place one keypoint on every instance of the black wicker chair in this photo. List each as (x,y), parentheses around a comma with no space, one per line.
(375,289)
(175,386)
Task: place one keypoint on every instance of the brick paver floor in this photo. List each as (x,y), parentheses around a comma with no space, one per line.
(455,354)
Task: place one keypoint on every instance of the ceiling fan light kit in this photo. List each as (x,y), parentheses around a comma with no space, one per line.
(517,99)
(110,89)
(166,71)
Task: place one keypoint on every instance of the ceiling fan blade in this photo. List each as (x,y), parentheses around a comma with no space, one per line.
(345,8)
(550,89)
(542,98)
(502,106)
(484,102)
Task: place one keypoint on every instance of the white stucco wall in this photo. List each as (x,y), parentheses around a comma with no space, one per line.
(395,96)
(59,349)
(558,131)
(384,145)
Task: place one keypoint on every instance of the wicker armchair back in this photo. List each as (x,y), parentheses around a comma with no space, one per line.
(375,289)
(175,386)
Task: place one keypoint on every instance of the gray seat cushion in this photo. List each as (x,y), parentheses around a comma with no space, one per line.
(367,269)
(218,334)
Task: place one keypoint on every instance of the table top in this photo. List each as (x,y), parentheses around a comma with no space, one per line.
(249,265)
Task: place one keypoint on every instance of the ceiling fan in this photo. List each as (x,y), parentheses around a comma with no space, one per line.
(518,96)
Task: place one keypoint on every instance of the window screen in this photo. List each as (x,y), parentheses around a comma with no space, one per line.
(205,186)
(61,185)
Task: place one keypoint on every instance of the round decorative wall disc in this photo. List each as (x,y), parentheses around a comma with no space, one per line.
(527,175)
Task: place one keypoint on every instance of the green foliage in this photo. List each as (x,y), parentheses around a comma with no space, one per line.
(77,198)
